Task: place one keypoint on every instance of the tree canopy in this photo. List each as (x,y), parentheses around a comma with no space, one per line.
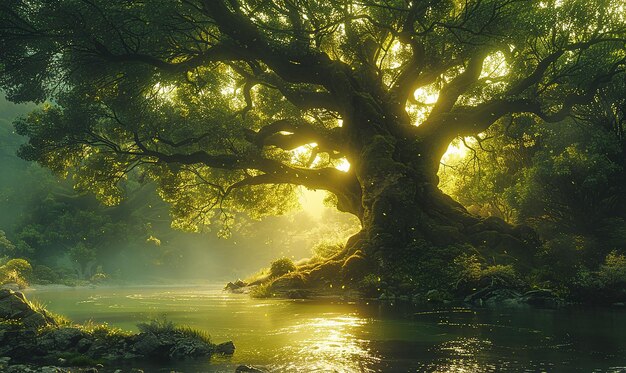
(217,99)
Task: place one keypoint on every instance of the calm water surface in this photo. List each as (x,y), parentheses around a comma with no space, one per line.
(322,336)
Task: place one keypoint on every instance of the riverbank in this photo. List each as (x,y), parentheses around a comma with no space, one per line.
(294,335)
(32,336)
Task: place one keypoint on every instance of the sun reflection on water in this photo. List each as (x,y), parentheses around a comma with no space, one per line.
(331,345)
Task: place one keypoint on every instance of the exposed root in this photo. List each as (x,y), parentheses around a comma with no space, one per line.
(492,239)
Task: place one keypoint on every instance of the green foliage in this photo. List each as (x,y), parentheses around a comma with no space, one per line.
(565,180)
(605,286)
(98,278)
(281,267)
(262,291)
(21,266)
(259,276)
(224,121)
(6,246)
(44,275)
(157,326)
(470,268)
(472,274)
(422,267)
(193,118)
(104,331)
(370,285)
(613,271)
(17,271)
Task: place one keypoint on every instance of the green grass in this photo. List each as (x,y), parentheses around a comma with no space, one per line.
(262,291)
(103,330)
(162,325)
(55,317)
(261,275)
(190,332)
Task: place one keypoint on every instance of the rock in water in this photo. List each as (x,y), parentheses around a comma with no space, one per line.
(248,369)
(226,348)
(235,286)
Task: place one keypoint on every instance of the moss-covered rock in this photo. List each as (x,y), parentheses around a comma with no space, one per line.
(14,306)
(30,334)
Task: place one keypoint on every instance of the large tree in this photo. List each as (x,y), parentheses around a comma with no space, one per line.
(230,104)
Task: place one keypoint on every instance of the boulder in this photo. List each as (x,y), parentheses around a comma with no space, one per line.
(235,286)
(83,345)
(226,348)
(174,344)
(23,339)
(11,286)
(13,306)
(187,347)
(248,369)
(65,338)
(543,298)
(297,294)
(503,297)
(507,297)
(148,344)
(494,297)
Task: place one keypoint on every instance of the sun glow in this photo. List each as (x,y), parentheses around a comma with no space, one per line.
(333,344)
(343,165)
(456,150)
(424,99)
(426,96)
(164,92)
(312,201)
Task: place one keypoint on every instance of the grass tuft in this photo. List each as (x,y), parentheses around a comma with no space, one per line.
(164,326)
(59,320)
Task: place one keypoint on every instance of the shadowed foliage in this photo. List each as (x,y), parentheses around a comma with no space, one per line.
(229,105)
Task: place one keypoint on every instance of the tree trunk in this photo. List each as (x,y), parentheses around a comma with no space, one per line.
(411,231)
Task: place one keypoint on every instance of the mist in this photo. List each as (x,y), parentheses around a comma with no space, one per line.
(48,222)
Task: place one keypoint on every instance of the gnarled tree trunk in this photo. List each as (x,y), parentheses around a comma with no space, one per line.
(407,221)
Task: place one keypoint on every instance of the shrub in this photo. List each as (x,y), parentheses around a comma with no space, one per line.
(281,267)
(371,285)
(613,271)
(500,274)
(262,291)
(469,268)
(21,266)
(98,278)
(44,275)
(607,285)
(472,273)
(17,271)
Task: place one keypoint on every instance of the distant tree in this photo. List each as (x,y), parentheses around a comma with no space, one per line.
(6,247)
(84,259)
(228,105)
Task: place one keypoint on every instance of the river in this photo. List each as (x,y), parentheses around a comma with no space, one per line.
(325,336)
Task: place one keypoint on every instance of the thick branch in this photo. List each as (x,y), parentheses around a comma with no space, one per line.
(288,134)
(215,53)
(312,67)
(450,93)
(344,185)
